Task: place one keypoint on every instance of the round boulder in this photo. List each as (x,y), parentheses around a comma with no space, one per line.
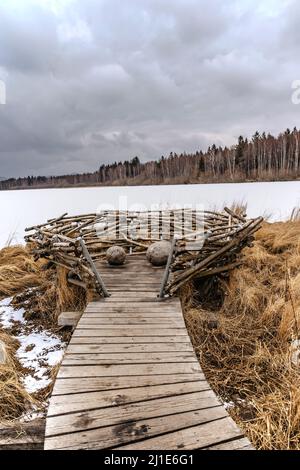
(158,253)
(115,255)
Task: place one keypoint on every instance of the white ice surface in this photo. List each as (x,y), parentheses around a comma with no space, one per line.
(20,209)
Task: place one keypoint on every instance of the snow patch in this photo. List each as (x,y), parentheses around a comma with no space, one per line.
(39,350)
(8,315)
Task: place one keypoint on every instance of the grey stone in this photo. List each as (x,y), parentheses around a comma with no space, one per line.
(116,255)
(158,253)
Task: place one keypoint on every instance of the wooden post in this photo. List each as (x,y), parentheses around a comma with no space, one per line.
(93,267)
(167,270)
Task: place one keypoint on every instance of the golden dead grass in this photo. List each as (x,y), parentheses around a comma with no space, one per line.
(17,271)
(247,358)
(43,291)
(14,400)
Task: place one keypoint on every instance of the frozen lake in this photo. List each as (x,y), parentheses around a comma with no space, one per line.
(20,209)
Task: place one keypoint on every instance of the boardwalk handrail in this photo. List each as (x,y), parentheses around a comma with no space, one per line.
(167,270)
(99,280)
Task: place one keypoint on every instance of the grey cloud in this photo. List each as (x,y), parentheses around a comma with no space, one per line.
(106,80)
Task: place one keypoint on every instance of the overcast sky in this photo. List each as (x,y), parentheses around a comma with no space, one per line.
(94,81)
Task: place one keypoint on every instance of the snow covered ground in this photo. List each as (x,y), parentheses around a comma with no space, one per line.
(20,209)
(8,315)
(39,350)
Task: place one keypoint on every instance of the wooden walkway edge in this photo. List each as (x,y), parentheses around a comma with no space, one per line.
(130,378)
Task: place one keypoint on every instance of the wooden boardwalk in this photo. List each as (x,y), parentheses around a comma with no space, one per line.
(130,379)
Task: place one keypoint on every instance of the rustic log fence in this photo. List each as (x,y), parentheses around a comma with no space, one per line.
(203,243)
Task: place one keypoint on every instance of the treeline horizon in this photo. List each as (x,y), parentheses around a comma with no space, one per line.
(261,158)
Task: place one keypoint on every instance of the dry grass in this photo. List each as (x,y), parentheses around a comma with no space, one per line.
(41,289)
(14,400)
(17,271)
(247,358)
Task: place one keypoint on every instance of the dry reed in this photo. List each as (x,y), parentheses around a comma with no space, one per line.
(14,400)
(247,358)
(37,286)
(43,291)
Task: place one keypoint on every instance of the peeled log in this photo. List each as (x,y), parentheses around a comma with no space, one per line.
(3,354)
(158,253)
(116,255)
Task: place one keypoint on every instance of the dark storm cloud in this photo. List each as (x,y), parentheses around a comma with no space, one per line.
(90,82)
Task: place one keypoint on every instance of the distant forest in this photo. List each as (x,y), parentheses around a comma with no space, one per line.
(263,158)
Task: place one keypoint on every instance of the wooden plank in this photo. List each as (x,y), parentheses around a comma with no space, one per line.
(130,283)
(129,339)
(109,322)
(237,444)
(129,348)
(158,321)
(141,263)
(112,436)
(115,290)
(133,280)
(125,281)
(126,370)
(128,358)
(160,304)
(138,296)
(132,268)
(195,437)
(77,421)
(68,318)
(131,297)
(132,331)
(22,436)
(94,400)
(82,384)
(133,314)
(156,307)
(143,272)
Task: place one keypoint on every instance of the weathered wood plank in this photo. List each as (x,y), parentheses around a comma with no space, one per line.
(134,308)
(237,444)
(117,290)
(129,348)
(175,321)
(83,384)
(131,269)
(129,339)
(77,421)
(133,315)
(131,297)
(131,280)
(131,369)
(94,400)
(112,436)
(108,322)
(123,332)
(195,437)
(68,318)
(128,358)
(164,305)
(25,436)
